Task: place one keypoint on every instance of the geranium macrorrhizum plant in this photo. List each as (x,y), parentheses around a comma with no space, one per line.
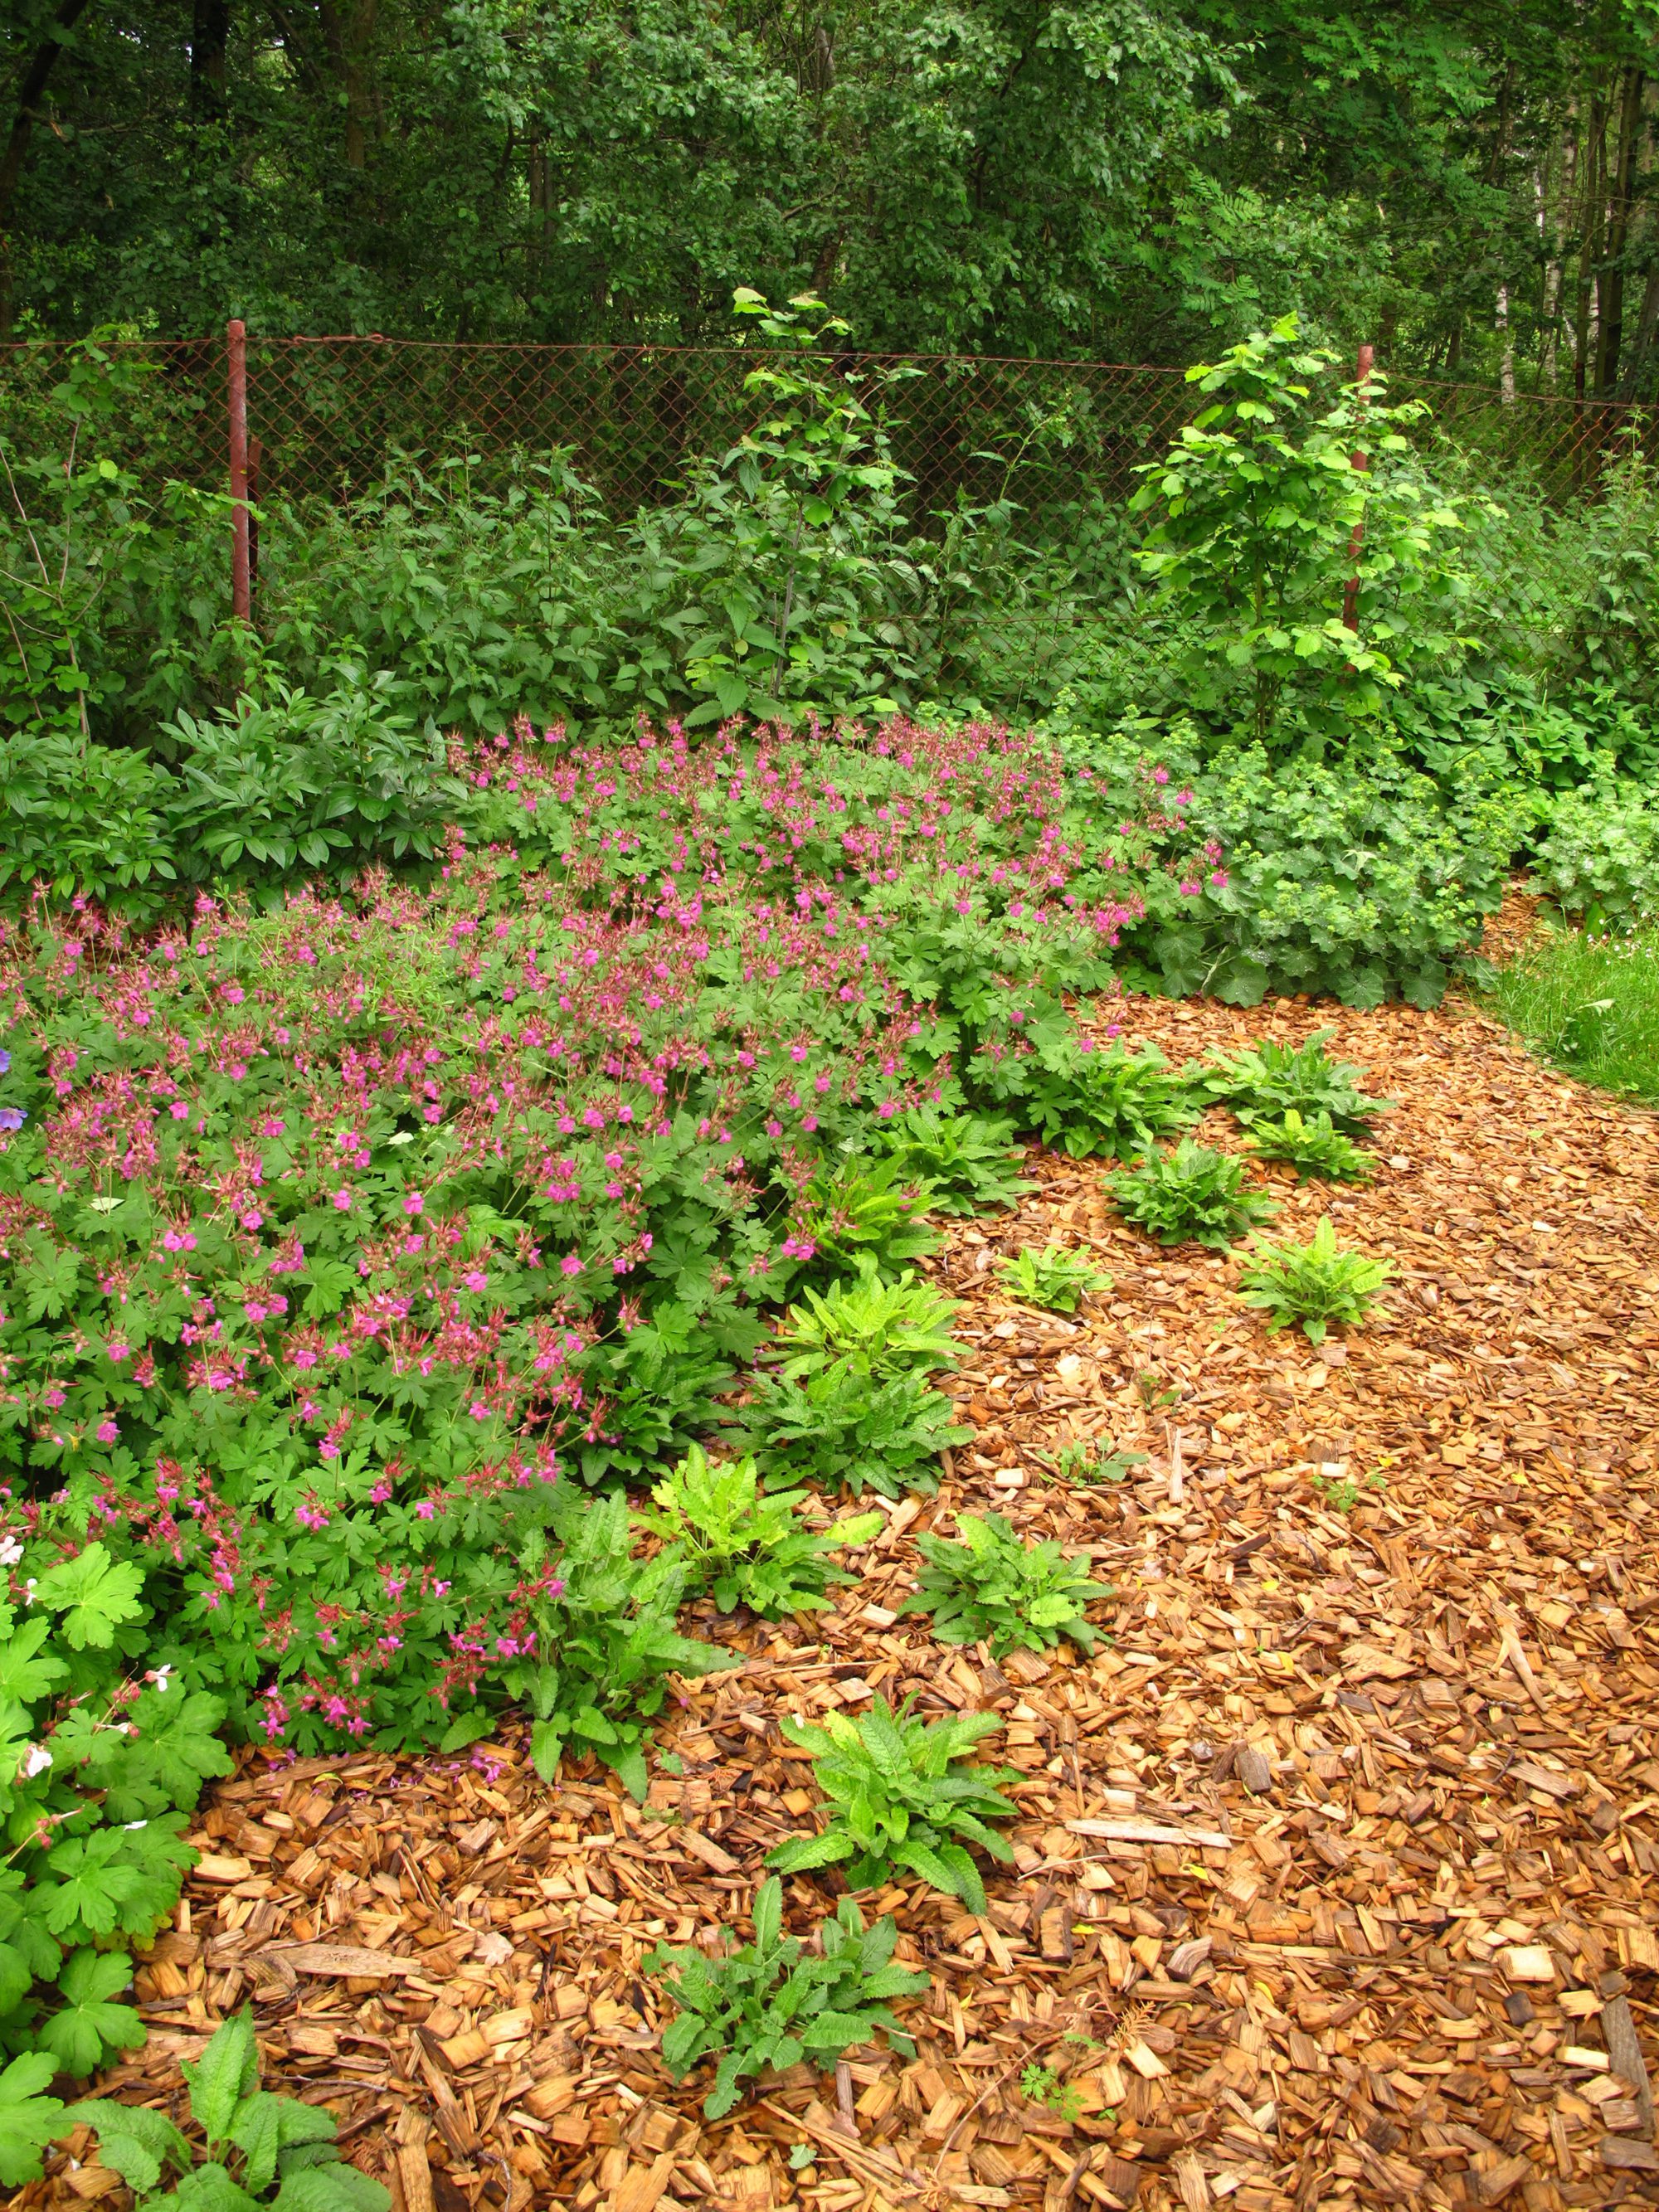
(322,1231)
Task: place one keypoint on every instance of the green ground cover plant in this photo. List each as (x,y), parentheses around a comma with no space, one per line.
(902,1797)
(1087,1460)
(1587,1004)
(966,1161)
(1315,1285)
(773,2001)
(993,1585)
(1192,1195)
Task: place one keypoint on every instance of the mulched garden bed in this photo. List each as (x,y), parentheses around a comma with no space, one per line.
(1337,1868)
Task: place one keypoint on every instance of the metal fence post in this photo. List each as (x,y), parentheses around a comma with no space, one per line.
(241,590)
(1351,593)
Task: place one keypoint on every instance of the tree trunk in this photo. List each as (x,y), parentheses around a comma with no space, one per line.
(210,33)
(1610,280)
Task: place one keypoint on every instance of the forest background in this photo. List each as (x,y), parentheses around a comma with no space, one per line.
(1469,183)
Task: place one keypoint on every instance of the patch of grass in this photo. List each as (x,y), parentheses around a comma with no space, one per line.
(1590,1005)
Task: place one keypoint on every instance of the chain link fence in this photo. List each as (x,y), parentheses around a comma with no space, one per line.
(324,416)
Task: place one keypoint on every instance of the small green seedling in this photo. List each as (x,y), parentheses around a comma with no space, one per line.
(1044,2086)
(902,1798)
(1313,1284)
(747,1547)
(1055,1277)
(1086,1462)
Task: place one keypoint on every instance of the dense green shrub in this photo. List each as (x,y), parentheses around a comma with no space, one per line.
(1598,855)
(1356,879)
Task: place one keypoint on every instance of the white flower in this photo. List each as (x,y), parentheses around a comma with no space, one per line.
(28,1591)
(10,1552)
(131,1824)
(160,1677)
(36,1760)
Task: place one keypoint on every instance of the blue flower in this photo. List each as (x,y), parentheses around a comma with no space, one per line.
(12,1117)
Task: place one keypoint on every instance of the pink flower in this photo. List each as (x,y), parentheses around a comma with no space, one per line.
(1219,877)
(343,1198)
(413,1202)
(108,1433)
(475,1279)
(570,1265)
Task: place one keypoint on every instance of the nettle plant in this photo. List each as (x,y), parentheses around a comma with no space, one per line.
(101,1758)
(773,2001)
(1310,588)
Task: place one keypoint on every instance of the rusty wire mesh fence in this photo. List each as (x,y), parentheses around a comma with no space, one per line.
(327,418)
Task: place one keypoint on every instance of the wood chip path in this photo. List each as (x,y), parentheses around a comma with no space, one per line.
(1336,1869)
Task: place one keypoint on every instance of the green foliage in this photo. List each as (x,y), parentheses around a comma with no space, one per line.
(1589,1004)
(789,593)
(966,1160)
(290,783)
(1054,1277)
(1093,1100)
(102,1762)
(868,1213)
(87,820)
(1084,1461)
(1598,857)
(28,2121)
(746,1546)
(874,1328)
(1263,525)
(838,1427)
(1043,2086)
(772,2003)
(1315,1284)
(1313,1145)
(902,1798)
(1359,881)
(1194,1194)
(1268,1080)
(607,1640)
(993,1585)
(255,2142)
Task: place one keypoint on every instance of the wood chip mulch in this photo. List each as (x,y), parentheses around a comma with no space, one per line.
(1337,1867)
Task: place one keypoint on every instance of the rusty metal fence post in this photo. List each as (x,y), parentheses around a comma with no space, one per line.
(241,584)
(1361,461)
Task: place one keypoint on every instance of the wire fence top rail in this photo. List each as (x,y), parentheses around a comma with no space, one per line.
(326,414)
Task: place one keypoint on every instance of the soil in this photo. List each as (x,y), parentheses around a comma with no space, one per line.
(1336,1865)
